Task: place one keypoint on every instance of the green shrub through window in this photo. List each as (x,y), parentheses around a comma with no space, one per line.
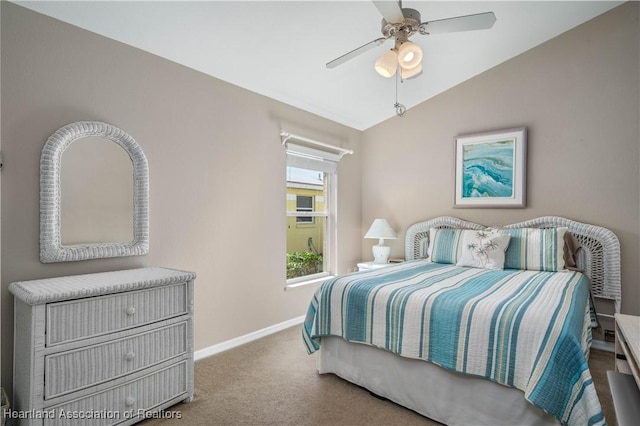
(300,264)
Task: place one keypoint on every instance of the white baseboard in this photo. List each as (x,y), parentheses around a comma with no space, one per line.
(225,346)
(603,346)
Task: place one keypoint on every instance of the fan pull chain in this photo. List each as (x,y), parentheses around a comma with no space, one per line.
(401,110)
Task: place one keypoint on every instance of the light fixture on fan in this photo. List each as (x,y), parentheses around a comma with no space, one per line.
(387,64)
(399,24)
(407,56)
(408,73)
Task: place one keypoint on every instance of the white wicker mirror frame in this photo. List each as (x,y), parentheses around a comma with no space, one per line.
(51,248)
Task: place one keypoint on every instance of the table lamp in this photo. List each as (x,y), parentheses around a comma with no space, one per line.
(381,230)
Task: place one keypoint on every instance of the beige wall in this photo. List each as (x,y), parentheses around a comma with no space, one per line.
(578,97)
(214,156)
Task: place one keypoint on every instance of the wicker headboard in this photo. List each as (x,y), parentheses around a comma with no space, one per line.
(599,256)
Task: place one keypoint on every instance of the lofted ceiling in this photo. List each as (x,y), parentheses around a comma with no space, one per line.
(279,48)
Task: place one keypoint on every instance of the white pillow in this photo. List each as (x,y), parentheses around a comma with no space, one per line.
(483,249)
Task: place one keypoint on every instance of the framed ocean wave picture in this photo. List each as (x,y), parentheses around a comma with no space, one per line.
(490,169)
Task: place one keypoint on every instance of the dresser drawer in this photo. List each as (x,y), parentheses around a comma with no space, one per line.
(78,319)
(77,369)
(124,402)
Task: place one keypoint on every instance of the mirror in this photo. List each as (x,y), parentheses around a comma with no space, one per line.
(94,190)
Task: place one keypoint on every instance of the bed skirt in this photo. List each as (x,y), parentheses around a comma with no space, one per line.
(439,394)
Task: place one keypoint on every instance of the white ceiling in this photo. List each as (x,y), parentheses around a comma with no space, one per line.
(279,48)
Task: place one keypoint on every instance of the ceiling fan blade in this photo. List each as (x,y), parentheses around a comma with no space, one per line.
(390,11)
(480,21)
(355,52)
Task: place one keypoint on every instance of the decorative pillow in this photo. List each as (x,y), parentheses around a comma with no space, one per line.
(444,245)
(483,249)
(536,249)
(571,247)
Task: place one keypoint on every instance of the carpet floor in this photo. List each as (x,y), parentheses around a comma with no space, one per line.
(272,381)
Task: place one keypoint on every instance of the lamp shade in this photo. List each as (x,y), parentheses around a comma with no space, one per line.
(409,55)
(387,64)
(406,73)
(381,229)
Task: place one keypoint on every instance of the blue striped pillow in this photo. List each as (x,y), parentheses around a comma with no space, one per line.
(445,245)
(535,249)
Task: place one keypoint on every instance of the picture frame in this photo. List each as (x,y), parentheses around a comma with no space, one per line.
(491,169)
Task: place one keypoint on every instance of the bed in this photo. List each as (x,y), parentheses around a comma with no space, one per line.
(474,344)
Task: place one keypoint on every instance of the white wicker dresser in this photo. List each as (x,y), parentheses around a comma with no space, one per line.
(102,349)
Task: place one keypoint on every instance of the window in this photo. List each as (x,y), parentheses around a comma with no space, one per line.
(310,208)
(307,224)
(304,203)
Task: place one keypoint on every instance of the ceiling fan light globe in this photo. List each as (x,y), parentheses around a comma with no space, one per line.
(409,55)
(387,64)
(409,73)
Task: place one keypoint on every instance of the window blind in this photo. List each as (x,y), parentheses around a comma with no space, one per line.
(309,154)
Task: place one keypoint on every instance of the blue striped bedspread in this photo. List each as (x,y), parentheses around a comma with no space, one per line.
(524,329)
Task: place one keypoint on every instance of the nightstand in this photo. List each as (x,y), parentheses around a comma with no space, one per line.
(625,380)
(368,266)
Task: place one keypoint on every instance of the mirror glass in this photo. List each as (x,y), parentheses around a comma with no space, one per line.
(94,194)
(96,188)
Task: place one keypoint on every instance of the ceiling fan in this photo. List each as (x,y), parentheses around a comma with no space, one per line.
(400,24)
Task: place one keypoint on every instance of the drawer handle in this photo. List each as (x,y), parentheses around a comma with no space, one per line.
(130,310)
(129,401)
(130,356)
